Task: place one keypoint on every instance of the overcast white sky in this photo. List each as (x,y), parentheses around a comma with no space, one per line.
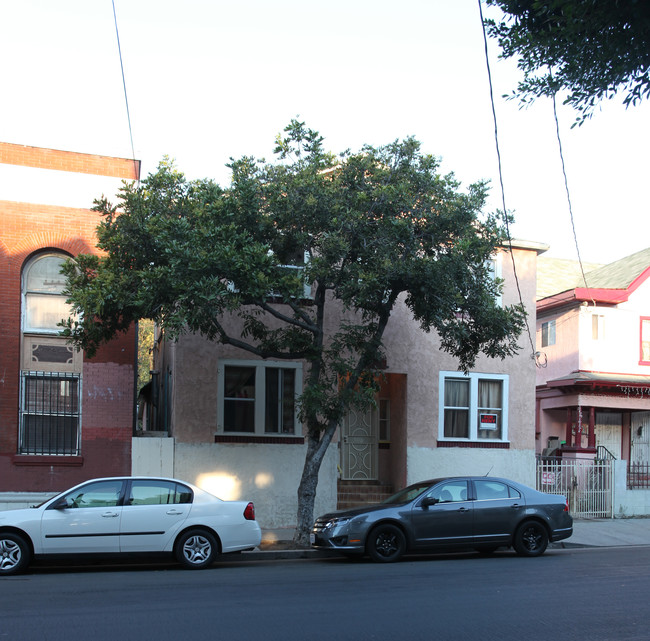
(211,79)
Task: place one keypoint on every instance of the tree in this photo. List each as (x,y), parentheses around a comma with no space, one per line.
(380,228)
(589,48)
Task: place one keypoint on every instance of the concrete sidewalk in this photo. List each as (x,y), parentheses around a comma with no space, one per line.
(277,544)
(608,533)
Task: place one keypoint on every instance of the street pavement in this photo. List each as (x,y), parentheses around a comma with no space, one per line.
(276,544)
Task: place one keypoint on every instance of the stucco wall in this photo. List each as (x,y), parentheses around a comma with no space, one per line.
(267,475)
(426,463)
(628,503)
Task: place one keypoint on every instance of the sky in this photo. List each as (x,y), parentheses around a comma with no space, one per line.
(207,80)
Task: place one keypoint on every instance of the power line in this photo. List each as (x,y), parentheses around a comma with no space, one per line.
(568,195)
(126,99)
(503,197)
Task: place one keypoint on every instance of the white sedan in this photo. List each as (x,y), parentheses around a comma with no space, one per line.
(128,515)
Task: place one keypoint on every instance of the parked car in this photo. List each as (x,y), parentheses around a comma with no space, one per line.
(128,515)
(481,513)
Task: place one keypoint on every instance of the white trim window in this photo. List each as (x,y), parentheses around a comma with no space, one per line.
(548,333)
(473,407)
(258,397)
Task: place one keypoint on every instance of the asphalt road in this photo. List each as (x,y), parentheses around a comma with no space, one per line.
(594,594)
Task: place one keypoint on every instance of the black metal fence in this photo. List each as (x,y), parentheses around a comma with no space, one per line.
(50,413)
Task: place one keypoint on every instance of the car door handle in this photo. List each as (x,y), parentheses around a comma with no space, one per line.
(515,506)
(174,512)
(110,515)
(463,509)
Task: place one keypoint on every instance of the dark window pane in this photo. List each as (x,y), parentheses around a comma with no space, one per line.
(49,413)
(239,399)
(280,400)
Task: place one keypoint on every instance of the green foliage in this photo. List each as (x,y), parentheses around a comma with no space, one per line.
(590,48)
(145,348)
(375,226)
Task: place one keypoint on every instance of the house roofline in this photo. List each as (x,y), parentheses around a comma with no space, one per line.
(601,295)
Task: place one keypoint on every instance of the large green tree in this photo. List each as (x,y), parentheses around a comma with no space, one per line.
(380,228)
(589,48)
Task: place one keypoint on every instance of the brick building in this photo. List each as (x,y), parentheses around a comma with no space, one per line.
(63,417)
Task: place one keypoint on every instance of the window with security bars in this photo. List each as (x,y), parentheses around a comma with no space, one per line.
(49,417)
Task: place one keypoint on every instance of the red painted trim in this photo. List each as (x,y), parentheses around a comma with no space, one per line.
(599,295)
(475,444)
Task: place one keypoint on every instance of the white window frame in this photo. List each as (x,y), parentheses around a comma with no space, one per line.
(551,333)
(260,395)
(473,378)
(27,294)
(598,327)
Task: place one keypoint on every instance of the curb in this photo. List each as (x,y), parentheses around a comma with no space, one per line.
(270,555)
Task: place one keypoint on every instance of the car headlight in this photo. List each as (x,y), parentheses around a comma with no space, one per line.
(336,522)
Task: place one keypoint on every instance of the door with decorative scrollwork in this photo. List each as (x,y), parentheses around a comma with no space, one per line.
(359,445)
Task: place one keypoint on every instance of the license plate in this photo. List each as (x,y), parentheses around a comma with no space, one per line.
(312,538)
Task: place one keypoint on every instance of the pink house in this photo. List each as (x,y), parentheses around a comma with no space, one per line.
(593,379)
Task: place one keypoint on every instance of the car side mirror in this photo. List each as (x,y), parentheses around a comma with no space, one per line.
(61,504)
(428,501)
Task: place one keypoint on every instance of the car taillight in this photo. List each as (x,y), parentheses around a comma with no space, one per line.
(566,505)
(249,512)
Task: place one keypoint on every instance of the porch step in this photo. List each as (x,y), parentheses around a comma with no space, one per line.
(361,493)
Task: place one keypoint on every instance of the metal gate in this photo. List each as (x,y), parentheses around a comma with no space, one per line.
(587,484)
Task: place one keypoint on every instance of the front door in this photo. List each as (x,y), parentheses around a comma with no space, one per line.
(609,431)
(640,437)
(359,445)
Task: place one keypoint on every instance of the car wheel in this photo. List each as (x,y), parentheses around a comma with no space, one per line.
(14,554)
(386,543)
(531,539)
(196,549)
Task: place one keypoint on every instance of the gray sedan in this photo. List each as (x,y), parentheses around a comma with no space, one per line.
(482,513)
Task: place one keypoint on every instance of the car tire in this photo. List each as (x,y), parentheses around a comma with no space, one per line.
(196,549)
(531,539)
(386,543)
(15,554)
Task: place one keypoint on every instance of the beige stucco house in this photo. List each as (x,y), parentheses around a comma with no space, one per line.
(213,426)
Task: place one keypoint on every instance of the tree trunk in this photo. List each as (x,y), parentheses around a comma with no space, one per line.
(316,449)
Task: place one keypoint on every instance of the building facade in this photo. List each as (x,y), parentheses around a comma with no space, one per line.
(229,422)
(64,418)
(593,391)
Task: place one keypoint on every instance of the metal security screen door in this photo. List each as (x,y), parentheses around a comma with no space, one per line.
(359,446)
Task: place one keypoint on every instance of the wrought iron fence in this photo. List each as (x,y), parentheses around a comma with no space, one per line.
(638,476)
(50,416)
(587,484)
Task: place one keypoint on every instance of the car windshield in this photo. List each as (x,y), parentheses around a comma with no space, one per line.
(408,493)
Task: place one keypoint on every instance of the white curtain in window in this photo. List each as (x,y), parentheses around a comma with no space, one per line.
(456,408)
(490,395)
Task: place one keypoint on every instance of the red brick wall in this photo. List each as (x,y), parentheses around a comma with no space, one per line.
(108,379)
(69,161)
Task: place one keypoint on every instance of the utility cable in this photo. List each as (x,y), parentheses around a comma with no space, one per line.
(503,197)
(568,194)
(126,99)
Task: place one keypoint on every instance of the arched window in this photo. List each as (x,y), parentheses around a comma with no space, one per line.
(50,416)
(44,302)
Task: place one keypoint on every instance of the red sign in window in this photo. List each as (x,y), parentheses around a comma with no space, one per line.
(488,421)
